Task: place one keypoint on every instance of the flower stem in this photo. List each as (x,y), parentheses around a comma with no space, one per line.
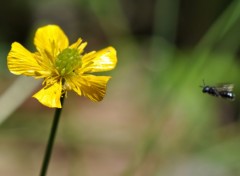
(48,151)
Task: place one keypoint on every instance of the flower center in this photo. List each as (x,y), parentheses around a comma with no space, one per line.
(67,61)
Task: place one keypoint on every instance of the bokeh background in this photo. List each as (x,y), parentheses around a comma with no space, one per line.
(154,120)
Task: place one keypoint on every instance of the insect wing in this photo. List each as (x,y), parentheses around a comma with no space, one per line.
(224,87)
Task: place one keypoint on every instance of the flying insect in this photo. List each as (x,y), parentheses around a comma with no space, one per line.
(221,90)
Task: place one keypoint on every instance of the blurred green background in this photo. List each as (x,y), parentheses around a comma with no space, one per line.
(154,120)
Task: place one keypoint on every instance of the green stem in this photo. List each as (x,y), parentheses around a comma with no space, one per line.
(48,151)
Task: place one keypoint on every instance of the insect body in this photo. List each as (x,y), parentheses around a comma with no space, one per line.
(221,90)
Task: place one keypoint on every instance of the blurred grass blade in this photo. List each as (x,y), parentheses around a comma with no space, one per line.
(164,28)
(224,23)
(15,95)
(107,12)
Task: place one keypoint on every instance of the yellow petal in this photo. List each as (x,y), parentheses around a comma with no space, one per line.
(50,95)
(103,60)
(93,87)
(50,40)
(21,61)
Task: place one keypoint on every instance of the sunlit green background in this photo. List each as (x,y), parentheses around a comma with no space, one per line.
(154,120)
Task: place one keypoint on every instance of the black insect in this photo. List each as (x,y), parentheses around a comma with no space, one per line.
(221,90)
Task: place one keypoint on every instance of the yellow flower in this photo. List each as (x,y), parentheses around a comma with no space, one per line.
(63,67)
